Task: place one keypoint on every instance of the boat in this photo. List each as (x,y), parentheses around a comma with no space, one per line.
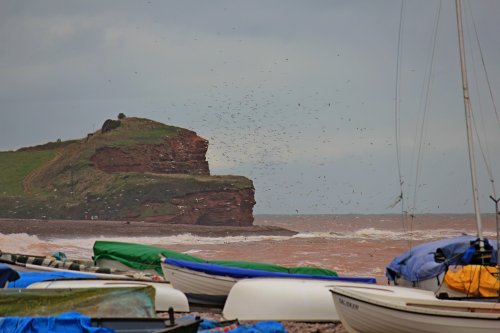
(372,309)
(425,265)
(134,257)
(393,309)
(280,299)
(209,284)
(146,258)
(93,307)
(102,302)
(29,262)
(165,295)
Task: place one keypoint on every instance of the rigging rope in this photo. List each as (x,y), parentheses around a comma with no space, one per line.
(419,135)
(426,106)
(483,147)
(397,105)
(484,65)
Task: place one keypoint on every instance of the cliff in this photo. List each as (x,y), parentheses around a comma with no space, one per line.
(132,169)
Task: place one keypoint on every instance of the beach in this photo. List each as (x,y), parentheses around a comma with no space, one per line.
(353,245)
(48,229)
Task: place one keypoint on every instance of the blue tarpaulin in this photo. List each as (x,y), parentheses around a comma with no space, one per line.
(419,263)
(27,278)
(246,273)
(210,326)
(70,322)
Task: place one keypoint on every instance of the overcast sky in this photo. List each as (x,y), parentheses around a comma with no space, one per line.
(299,96)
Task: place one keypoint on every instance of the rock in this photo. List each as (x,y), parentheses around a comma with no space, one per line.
(184,154)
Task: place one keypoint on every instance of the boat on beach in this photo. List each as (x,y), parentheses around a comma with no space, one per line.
(146,258)
(209,284)
(392,309)
(139,258)
(114,308)
(47,277)
(33,263)
(302,300)
(100,302)
(425,265)
(165,298)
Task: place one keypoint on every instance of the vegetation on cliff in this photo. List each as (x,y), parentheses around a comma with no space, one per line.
(136,169)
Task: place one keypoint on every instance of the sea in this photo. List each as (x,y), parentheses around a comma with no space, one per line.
(352,245)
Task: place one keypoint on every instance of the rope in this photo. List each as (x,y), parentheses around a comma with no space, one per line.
(484,65)
(483,147)
(397,107)
(426,98)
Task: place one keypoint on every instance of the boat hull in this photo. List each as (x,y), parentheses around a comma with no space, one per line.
(281,299)
(404,310)
(200,288)
(165,295)
(211,283)
(94,302)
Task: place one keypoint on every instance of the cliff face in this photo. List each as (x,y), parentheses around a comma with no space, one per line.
(136,169)
(216,208)
(184,153)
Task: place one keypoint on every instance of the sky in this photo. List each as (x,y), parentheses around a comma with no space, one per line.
(298,96)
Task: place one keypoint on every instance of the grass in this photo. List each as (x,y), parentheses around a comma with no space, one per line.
(72,187)
(140,131)
(15,166)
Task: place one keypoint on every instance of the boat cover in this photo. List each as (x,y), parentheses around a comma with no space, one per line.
(242,273)
(28,278)
(275,268)
(95,302)
(419,263)
(210,326)
(143,257)
(137,256)
(7,274)
(69,322)
(473,280)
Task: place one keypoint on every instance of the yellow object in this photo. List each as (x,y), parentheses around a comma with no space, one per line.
(473,280)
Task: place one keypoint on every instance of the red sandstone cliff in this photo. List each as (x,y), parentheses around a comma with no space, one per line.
(132,169)
(184,153)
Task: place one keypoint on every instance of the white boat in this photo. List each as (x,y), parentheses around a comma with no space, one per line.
(201,288)
(33,263)
(391,309)
(165,295)
(281,299)
(210,284)
(371,309)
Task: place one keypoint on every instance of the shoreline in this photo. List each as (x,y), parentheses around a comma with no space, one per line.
(47,229)
(73,229)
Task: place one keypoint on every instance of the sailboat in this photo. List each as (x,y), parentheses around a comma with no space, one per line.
(394,309)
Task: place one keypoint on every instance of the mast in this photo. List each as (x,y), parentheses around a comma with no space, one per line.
(468,125)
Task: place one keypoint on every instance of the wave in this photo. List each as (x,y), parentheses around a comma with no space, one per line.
(81,248)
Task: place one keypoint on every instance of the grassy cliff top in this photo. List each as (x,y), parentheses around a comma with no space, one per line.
(64,168)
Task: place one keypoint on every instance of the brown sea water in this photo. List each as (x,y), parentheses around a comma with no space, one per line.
(353,245)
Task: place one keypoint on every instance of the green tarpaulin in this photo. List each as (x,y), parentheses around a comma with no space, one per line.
(135,302)
(142,257)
